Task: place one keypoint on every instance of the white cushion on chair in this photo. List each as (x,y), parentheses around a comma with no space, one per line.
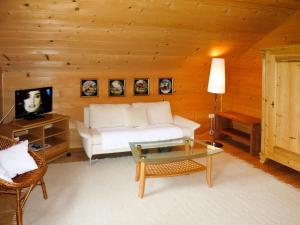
(4,174)
(16,160)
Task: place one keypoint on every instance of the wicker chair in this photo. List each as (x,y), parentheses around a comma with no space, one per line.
(22,185)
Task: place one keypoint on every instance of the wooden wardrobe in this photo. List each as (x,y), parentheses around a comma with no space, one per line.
(281,106)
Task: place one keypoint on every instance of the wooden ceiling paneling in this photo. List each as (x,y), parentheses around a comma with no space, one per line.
(83,34)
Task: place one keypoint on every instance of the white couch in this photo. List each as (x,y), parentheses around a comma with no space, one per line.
(108,128)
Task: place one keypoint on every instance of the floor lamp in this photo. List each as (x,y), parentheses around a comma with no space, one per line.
(216,85)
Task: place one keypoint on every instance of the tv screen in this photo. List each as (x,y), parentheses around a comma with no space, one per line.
(30,103)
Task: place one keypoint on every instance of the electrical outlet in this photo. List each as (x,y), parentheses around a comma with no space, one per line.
(211,116)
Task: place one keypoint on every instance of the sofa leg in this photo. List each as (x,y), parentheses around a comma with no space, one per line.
(91,162)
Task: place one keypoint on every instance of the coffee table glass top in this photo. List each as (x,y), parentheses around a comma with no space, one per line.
(171,150)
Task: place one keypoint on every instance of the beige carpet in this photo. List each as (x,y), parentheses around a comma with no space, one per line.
(106,194)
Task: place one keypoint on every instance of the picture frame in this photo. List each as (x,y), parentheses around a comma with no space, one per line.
(141,86)
(166,86)
(89,87)
(116,87)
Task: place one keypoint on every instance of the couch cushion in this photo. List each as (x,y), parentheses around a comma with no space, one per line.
(116,138)
(135,117)
(158,112)
(96,133)
(107,115)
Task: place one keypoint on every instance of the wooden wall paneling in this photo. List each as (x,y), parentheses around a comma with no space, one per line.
(246,71)
(67,98)
(56,43)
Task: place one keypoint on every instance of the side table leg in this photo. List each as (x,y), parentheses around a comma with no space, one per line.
(142,179)
(208,170)
(137,171)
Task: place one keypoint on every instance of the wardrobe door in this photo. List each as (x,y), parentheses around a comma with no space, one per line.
(287,107)
(268,107)
(281,106)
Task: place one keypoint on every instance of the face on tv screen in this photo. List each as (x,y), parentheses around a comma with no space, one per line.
(33,101)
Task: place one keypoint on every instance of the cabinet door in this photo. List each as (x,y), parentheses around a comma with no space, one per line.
(287,107)
(268,121)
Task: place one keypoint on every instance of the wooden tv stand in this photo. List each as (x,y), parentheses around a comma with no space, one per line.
(229,124)
(51,133)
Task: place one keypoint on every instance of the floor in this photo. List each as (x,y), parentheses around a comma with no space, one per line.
(281,172)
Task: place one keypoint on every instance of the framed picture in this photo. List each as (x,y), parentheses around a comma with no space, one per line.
(141,86)
(165,86)
(88,87)
(116,87)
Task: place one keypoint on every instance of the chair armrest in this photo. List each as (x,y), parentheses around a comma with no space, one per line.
(181,121)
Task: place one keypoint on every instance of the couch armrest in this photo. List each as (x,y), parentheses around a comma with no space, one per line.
(181,121)
(86,134)
(83,130)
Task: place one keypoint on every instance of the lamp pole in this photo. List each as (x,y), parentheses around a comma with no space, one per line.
(214,143)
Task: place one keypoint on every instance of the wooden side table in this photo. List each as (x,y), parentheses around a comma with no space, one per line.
(225,127)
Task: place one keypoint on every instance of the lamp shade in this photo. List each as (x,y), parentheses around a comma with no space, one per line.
(216,83)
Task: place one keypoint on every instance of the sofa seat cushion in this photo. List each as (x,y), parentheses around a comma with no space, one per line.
(97,137)
(115,138)
(97,133)
(107,115)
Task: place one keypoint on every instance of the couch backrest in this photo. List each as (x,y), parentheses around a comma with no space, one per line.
(112,115)
(105,115)
(158,112)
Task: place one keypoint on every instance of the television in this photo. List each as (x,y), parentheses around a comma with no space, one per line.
(31,103)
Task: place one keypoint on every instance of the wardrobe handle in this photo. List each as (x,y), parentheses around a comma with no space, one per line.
(272,104)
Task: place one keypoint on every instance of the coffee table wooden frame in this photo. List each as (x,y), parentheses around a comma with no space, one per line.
(175,168)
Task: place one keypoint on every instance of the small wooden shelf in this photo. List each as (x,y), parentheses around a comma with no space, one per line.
(230,124)
(30,137)
(56,149)
(237,135)
(53,129)
(54,141)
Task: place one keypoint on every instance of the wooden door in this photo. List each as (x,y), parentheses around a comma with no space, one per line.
(287,107)
(268,105)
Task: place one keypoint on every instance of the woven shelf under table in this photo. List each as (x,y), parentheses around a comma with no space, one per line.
(173,168)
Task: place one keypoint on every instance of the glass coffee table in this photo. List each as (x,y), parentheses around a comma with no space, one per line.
(172,157)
